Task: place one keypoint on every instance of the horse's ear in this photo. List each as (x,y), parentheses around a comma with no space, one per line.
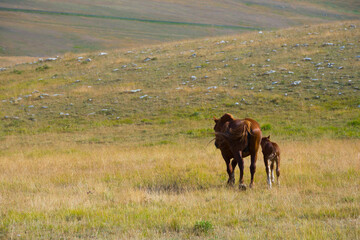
(268,137)
(215,119)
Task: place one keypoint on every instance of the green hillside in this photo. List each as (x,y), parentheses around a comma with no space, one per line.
(36,28)
(301,81)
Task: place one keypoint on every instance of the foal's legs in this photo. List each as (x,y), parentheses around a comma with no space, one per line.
(278,169)
(267,169)
(272,171)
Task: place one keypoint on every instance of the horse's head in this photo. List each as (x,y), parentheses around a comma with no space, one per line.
(221,125)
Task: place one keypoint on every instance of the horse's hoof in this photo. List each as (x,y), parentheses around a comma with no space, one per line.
(242,187)
(230,185)
(231,182)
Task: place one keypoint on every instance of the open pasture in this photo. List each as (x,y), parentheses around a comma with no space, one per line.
(176,191)
(116,145)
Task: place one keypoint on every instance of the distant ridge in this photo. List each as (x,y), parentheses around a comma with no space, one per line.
(126,18)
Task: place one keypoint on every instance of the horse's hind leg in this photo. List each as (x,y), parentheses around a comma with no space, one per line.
(253,168)
(267,169)
(240,161)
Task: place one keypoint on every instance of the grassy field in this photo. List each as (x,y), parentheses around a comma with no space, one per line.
(117,146)
(130,23)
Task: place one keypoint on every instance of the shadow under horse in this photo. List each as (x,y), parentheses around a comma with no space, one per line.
(237,139)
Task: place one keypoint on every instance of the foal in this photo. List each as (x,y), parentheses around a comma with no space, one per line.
(271,152)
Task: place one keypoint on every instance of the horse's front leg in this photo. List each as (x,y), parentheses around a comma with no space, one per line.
(253,168)
(229,169)
(240,160)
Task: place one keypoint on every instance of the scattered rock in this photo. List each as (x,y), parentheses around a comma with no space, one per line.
(212,87)
(135,91)
(270,72)
(149,59)
(307,59)
(103,54)
(295,83)
(50,59)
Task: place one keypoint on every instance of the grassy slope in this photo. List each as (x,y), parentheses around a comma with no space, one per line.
(20,36)
(324,103)
(124,165)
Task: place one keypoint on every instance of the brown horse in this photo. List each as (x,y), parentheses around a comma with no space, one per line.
(237,138)
(271,152)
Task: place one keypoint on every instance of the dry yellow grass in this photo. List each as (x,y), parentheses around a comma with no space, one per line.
(112,191)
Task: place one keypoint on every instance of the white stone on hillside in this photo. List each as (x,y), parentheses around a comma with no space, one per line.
(135,90)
